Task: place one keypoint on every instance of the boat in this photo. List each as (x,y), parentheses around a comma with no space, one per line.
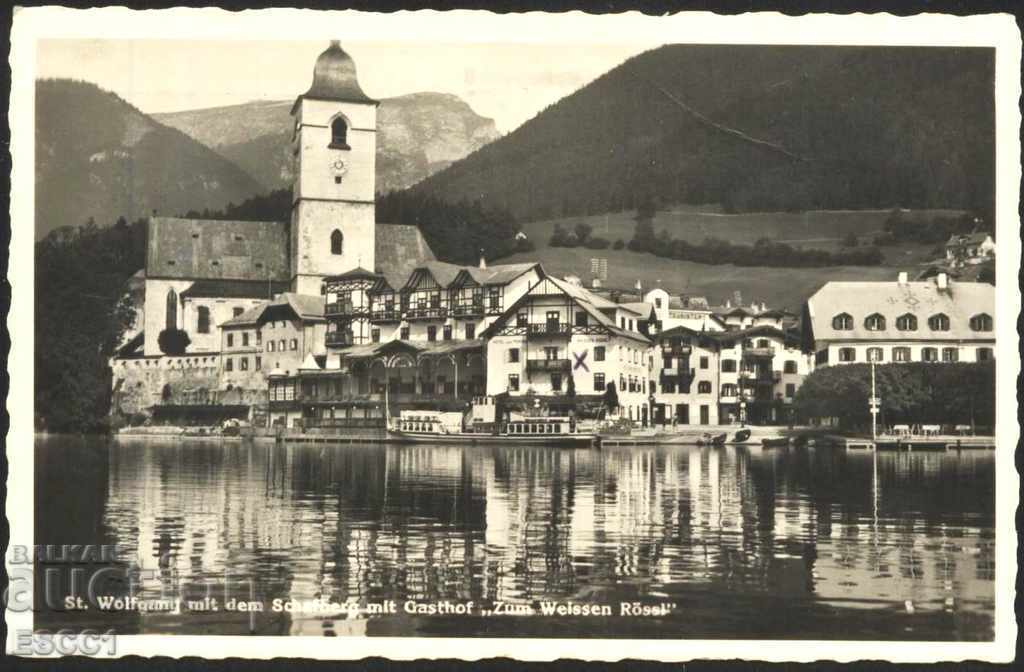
(438,427)
(712,439)
(776,442)
(741,436)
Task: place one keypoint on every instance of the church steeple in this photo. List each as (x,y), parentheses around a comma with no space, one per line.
(334,144)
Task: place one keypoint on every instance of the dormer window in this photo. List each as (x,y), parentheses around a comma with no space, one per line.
(339,134)
(906,322)
(939,322)
(842,322)
(981,322)
(874,322)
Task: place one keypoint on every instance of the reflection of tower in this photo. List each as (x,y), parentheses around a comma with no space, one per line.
(335,144)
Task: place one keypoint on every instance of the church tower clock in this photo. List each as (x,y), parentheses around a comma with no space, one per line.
(334,143)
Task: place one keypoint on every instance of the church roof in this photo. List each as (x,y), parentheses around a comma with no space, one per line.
(334,78)
(233,289)
(210,249)
(399,249)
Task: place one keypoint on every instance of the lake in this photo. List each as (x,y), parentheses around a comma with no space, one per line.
(641,542)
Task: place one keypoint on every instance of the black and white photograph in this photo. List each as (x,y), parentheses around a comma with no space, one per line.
(624,337)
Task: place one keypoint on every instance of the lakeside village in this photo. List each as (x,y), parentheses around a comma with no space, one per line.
(334,327)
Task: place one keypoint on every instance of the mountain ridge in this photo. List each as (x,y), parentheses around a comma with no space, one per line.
(861,127)
(418,134)
(111,160)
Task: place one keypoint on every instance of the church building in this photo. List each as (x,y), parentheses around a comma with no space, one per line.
(201,274)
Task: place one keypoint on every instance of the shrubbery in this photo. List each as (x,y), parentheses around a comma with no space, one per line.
(173,342)
(917,392)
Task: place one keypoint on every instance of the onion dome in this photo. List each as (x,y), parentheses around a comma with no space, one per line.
(334,78)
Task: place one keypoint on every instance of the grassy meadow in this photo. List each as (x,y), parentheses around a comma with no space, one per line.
(779,287)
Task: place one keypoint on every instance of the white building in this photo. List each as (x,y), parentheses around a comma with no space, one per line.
(562,345)
(937,320)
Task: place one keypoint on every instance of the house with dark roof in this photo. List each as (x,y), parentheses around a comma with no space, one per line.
(971,248)
(936,320)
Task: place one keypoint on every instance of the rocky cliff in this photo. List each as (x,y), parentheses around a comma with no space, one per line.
(418,134)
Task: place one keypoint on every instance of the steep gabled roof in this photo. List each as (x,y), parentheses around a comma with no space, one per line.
(580,298)
(209,249)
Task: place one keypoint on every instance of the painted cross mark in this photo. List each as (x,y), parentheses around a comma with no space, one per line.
(581,361)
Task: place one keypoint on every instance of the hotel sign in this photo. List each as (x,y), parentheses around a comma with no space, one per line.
(686,315)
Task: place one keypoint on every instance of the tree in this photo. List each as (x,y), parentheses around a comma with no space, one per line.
(611,398)
(173,342)
(582,231)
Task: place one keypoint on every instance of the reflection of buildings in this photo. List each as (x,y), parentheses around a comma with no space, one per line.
(526,524)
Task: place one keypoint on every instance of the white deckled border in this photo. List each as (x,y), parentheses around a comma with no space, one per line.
(998,31)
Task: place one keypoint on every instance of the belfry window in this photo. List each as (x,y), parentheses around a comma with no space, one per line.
(339,134)
(337,242)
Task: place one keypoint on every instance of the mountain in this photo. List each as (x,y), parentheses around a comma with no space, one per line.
(418,134)
(98,157)
(750,128)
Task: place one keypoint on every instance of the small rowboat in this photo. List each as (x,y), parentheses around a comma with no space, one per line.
(779,442)
(712,440)
(741,436)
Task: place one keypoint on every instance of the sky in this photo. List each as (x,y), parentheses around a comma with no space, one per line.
(507,82)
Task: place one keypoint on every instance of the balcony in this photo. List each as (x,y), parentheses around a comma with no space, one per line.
(339,339)
(341,308)
(549,329)
(681,379)
(424,313)
(548,365)
(383,315)
(468,310)
(758,353)
(676,350)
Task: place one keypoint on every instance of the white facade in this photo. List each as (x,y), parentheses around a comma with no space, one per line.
(333,191)
(552,337)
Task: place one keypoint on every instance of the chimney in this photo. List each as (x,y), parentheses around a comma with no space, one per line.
(595,283)
(728,303)
(902,278)
(639,285)
(942,281)
(483,261)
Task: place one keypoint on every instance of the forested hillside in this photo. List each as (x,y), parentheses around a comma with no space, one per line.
(97,156)
(750,128)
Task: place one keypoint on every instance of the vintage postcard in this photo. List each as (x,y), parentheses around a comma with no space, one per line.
(466,335)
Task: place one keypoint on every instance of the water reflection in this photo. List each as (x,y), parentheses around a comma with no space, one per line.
(788,543)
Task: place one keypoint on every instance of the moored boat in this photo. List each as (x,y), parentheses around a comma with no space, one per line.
(712,439)
(776,442)
(436,427)
(741,436)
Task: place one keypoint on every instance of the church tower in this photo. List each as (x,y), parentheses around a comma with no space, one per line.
(335,145)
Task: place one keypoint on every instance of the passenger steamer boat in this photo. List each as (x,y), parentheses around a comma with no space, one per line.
(439,427)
